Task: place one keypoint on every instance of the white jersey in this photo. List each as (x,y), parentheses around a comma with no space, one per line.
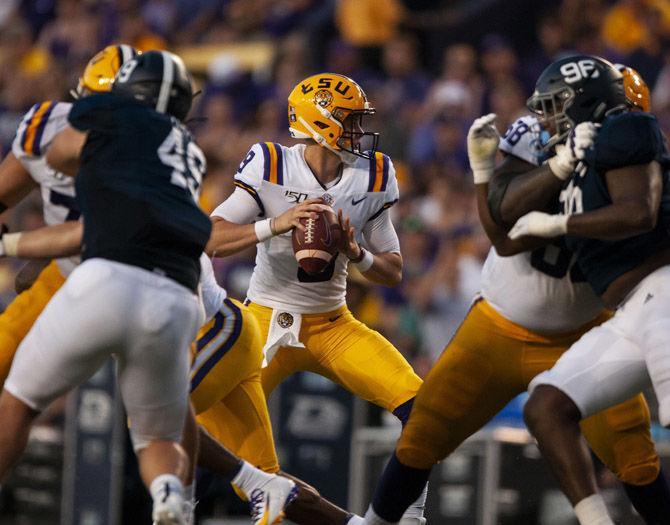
(539,290)
(213,295)
(278,178)
(36,131)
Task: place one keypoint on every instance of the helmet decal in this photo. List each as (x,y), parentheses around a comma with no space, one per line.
(328,108)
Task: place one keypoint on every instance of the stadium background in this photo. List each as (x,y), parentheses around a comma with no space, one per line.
(429,68)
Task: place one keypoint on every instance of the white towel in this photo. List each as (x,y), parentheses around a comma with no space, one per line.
(284,331)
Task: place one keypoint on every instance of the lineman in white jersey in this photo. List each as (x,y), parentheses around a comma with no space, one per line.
(304,318)
(532,307)
(25,169)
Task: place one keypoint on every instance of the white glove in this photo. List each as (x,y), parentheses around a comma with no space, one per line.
(539,224)
(567,156)
(483,140)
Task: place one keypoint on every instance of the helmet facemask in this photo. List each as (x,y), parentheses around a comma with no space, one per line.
(551,110)
(353,140)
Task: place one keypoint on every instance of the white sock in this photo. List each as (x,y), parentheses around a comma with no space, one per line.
(172,482)
(417,509)
(371,518)
(355,520)
(592,511)
(250,477)
(189,497)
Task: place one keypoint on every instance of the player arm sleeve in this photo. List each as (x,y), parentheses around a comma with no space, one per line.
(379,235)
(245,205)
(239,208)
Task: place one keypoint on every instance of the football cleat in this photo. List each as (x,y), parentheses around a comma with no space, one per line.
(268,501)
(168,507)
(412,521)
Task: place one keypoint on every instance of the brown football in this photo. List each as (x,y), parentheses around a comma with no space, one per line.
(316,245)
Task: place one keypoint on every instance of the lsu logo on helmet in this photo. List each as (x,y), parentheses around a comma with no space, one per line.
(329,108)
(102,68)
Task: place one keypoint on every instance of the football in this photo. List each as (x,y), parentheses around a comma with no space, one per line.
(316,245)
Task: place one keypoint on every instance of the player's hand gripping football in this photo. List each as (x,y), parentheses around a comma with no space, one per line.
(348,244)
(539,224)
(579,141)
(291,218)
(483,140)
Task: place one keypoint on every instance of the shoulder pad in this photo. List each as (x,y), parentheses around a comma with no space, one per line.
(38,127)
(273,162)
(628,139)
(378,172)
(524,139)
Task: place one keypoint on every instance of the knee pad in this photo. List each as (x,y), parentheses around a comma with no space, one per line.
(637,460)
(421,444)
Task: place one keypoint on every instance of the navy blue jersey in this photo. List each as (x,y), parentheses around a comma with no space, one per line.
(137,187)
(627,139)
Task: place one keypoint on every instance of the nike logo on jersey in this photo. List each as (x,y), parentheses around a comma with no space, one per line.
(648,298)
(333,319)
(354,201)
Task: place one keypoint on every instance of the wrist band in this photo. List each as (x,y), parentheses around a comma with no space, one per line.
(365,262)
(10,243)
(263,230)
(482,176)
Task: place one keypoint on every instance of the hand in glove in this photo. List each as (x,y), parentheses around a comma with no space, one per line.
(539,224)
(567,156)
(483,140)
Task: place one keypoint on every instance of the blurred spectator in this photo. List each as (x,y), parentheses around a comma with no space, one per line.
(628,24)
(368,23)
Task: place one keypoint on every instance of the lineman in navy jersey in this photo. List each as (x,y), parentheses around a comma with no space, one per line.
(615,213)
(133,296)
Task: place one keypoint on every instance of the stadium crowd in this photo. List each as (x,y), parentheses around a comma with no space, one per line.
(429,68)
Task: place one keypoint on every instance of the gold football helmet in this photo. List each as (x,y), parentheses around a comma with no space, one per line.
(637,91)
(101,70)
(329,109)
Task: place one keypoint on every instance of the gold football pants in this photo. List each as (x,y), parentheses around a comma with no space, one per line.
(491,360)
(226,388)
(18,318)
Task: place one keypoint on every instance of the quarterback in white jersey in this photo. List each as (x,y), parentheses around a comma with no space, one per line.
(304,320)
(273,179)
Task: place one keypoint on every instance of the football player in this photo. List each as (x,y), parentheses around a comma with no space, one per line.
(141,253)
(614,213)
(25,169)
(303,318)
(531,308)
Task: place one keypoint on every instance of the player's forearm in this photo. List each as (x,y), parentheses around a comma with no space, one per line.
(612,223)
(60,240)
(497,234)
(534,190)
(228,238)
(386,269)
